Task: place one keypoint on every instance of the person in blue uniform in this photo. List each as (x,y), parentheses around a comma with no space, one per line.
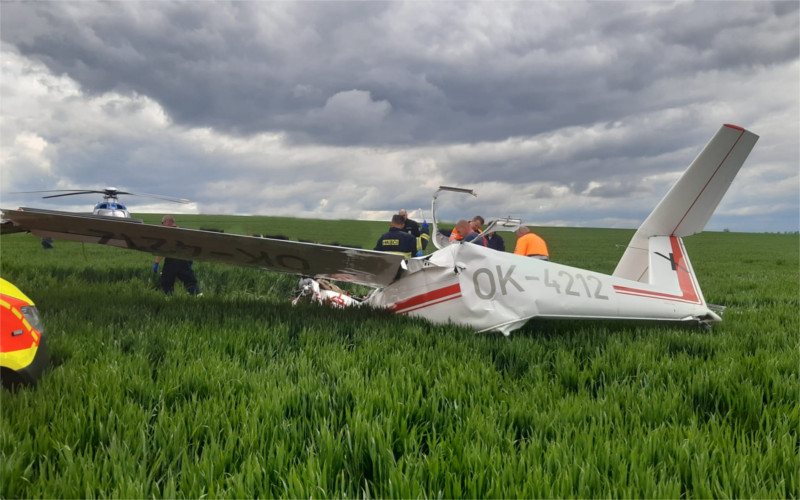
(176,269)
(396,240)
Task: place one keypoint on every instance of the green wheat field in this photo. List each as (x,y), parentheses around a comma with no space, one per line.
(237,394)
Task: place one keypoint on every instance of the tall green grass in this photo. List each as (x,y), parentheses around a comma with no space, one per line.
(238,394)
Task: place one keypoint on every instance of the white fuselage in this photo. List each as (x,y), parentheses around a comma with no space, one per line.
(471,285)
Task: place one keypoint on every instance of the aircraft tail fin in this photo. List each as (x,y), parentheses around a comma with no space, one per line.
(689,204)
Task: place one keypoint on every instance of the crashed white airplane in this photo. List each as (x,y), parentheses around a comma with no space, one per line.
(464,283)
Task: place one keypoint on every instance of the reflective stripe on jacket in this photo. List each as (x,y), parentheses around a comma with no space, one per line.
(397,241)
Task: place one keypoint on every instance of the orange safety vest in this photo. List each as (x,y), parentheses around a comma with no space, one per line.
(531,244)
(455,235)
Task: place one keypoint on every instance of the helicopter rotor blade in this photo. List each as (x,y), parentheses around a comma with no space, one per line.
(161,197)
(108,192)
(71,194)
(70,191)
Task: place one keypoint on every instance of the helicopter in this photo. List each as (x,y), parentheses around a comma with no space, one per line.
(110,206)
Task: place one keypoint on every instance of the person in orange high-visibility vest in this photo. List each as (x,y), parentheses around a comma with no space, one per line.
(530,244)
(461,231)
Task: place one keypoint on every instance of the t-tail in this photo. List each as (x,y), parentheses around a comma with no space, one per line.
(656,254)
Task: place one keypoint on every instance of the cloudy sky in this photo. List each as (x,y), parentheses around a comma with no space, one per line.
(561,113)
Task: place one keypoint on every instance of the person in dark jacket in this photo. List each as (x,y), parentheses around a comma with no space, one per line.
(490,240)
(495,241)
(409,226)
(176,268)
(396,240)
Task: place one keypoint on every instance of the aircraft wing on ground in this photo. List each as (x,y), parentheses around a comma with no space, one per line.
(367,267)
(8,227)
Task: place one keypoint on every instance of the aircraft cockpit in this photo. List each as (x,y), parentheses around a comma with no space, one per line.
(111,209)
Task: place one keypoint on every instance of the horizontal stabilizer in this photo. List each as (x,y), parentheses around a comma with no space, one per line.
(689,204)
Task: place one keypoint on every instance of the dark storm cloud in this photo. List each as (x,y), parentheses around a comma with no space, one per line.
(247,67)
(584,111)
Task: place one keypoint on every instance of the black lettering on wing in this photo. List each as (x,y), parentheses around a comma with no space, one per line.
(257,260)
(221,254)
(287,262)
(196,250)
(157,243)
(105,236)
(129,242)
(293,262)
(143,243)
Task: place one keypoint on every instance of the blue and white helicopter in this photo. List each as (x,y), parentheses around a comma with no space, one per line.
(110,206)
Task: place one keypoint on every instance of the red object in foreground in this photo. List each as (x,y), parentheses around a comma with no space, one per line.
(23,352)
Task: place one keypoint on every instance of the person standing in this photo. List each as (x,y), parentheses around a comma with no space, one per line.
(396,240)
(477,223)
(463,232)
(420,232)
(495,242)
(409,226)
(423,239)
(176,268)
(530,244)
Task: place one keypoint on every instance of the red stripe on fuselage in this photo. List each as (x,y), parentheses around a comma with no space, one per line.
(427,299)
(685,280)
